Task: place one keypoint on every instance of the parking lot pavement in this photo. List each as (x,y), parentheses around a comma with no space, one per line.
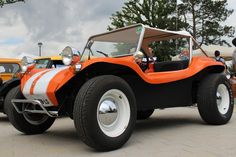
(175,132)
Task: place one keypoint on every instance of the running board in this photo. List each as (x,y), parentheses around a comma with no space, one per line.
(17,103)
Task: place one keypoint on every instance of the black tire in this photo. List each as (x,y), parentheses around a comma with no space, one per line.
(19,121)
(86,110)
(144,114)
(209,95)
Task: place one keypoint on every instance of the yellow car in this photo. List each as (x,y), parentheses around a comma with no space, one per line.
(9,67)
(48,62)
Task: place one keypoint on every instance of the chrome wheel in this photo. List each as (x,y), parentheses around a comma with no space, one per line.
(35,119)
(113,113)
(222,99)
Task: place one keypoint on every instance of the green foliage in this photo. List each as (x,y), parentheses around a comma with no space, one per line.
(4,2)
(155,13)
(205,18)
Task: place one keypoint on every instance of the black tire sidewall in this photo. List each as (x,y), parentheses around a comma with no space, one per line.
(223,80)
(100,140)
(207,99)
(18,120)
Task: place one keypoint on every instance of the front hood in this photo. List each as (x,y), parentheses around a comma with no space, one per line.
(42,84)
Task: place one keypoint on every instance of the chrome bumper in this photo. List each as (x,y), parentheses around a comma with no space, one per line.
(18,105)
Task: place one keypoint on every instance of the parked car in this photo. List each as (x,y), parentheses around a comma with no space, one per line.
(8,68)
(48,62)
(116,80)
(10,82)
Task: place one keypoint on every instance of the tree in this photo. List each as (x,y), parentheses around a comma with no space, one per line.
(4,2)
(155,13)
(205,20)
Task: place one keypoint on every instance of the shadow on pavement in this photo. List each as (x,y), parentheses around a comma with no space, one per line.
(3,118)
(68,132)
(164,123)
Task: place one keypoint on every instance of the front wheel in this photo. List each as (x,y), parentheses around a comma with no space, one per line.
(28,123)
(105,112)
(215,99)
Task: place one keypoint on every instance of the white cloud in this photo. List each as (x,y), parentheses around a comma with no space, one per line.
(57,23)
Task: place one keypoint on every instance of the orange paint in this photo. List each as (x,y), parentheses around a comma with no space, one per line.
(57,82)
(197,64)
(149,76)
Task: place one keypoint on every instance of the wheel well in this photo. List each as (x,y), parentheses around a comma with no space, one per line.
(5,88)
(201,76)
(72,87)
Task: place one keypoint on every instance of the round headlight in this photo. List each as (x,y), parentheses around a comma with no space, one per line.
(67,55)
(25,62)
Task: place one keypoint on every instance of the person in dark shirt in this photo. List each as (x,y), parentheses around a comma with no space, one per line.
(218,57)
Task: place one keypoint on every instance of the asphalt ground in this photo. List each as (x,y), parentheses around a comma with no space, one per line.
(177,132)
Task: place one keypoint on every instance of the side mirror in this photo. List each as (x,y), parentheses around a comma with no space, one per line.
(138,56)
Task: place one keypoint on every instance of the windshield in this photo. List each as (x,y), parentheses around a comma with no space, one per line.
(42,63)
(113,44)
(9,67)
(48,63)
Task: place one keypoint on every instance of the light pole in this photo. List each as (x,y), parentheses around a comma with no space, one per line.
(40,44)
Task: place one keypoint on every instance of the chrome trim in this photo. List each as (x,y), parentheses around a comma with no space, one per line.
(78,67)
(17,103)
(140,38)
(190,51)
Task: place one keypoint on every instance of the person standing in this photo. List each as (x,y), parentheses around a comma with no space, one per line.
(218,57)
(234,55)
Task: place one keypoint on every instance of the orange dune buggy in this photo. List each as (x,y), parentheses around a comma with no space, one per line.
(117,80)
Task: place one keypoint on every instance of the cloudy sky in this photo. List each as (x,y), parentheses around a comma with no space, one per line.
(57,23)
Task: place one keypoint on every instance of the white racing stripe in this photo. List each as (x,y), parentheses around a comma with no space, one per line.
(28,84)
(40,89)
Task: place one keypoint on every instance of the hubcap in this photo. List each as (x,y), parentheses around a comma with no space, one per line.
(113,113)
(222,99)
(107,112)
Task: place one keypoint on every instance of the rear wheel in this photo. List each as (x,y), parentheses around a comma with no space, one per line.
(144,114)
(27,123)
(105,112)
(215,99)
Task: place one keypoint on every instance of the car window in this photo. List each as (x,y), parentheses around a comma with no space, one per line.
(171,50)
(42,63)
(9,67)
(171,54)
(57,64)
(48,63)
